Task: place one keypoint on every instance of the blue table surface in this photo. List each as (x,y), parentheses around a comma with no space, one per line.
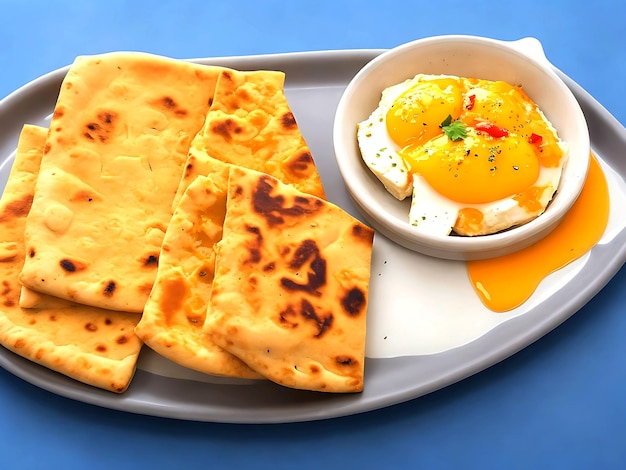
(559,403)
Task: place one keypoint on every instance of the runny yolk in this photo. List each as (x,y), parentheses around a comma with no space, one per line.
(476,170)
(506,282)
(416,114)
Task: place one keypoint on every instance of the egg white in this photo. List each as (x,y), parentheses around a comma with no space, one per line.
(380,152)
(435,214)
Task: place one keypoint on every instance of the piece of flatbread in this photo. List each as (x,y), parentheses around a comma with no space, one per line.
(95,346)
(172,323)
(291,284)
(114,157)
(250,124)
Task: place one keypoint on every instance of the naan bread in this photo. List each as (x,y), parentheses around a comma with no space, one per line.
(114,157)
(250,124)
(95,346)
(290,291)
(173,318)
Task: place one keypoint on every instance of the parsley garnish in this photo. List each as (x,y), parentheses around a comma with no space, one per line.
(455,131)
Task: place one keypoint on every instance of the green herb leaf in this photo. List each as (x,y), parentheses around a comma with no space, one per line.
(446,122)
(455,131)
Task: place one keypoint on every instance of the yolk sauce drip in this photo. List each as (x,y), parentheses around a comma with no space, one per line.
(482,167)
(506,282)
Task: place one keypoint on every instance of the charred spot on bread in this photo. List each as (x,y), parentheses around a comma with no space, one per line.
(275,208)
(151,260)
(305,250)
(226,129)
(255,247)
(353,301)
(169,105)
(316,276)
(362,232)
(67,265)
(109,289)
(301,163)
(101,129)
(322,322)
(168,102)
(288,121)
(286,317)
(71,266)
(346,361)
(306,311)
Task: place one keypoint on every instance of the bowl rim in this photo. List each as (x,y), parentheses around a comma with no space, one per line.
(458,247)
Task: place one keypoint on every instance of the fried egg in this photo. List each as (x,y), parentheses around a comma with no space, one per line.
(501,173)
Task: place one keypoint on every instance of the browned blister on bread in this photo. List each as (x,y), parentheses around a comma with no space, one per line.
(290,292)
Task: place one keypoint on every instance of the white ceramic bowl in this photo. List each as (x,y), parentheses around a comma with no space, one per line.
(516,62)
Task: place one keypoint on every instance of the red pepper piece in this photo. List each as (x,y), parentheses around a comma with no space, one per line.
(535,139)
(491,129)
(471,102)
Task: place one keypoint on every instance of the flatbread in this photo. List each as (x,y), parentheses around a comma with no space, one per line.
(250,124)
(95,346)
(290,292)
(114,157)
(172,323)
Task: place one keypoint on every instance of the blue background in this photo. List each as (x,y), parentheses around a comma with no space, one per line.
(559,403)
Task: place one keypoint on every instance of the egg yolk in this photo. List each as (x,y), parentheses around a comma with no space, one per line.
(499,103)
(469,220)
(477,169)
(508,107)
(415,116)
(505,282)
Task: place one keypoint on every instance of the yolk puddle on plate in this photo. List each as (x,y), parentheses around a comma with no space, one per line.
(506,282)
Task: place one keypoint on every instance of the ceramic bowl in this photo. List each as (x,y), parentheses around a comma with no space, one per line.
(520,62)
